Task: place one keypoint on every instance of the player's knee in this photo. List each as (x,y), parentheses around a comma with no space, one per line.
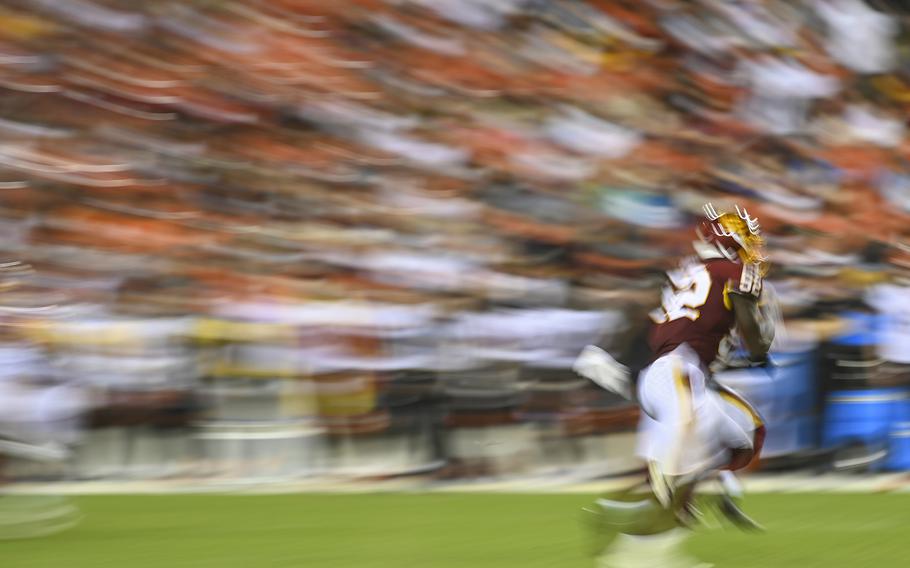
(741,458)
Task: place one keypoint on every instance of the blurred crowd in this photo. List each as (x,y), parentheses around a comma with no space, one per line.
(361,194)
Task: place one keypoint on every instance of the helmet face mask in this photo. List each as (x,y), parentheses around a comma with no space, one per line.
(736,235)
(749,243)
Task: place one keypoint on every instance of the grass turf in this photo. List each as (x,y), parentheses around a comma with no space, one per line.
(441,531)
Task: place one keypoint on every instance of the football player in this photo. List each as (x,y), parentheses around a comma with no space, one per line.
(691,426)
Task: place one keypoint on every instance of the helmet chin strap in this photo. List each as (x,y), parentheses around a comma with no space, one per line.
(729,254)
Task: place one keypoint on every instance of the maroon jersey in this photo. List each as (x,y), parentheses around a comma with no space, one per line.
(696,308)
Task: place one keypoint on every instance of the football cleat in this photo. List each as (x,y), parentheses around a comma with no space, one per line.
(633,514)
(733,513)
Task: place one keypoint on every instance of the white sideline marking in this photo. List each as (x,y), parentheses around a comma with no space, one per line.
(756,484)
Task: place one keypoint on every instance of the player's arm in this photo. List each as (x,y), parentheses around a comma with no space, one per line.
(601,362)
(756,333)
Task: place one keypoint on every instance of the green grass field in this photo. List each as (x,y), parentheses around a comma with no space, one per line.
(442,530)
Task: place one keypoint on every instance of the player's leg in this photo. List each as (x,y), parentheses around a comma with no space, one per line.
(636,511)
(741,429)
(645,528)
(742,433)
(672,396)
(633,530)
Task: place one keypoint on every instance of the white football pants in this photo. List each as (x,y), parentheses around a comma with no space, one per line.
(686,426)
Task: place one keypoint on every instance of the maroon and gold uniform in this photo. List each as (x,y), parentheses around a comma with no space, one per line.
(696,308)
(690,424)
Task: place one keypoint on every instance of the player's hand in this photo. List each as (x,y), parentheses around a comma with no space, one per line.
(765,362)
(742,361)
(596,364)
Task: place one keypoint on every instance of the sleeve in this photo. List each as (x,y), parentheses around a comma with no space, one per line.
(746,281)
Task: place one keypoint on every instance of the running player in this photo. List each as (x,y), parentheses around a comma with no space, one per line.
(690,425)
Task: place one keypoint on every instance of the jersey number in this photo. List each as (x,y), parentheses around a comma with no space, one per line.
(750,281)
(688,290)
